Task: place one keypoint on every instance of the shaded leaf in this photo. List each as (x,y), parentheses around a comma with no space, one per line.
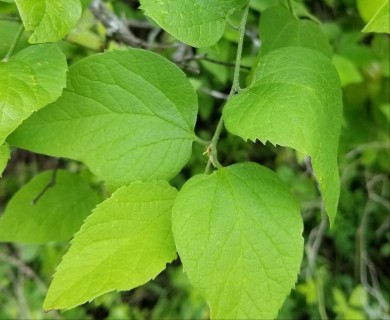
(4,157)
(56,216)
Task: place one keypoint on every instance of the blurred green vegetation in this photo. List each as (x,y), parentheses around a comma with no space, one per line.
(344,271)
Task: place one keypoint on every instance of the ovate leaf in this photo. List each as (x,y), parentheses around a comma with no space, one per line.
(380,22)
(197,23)
(129,115)
(294,101)
(4,156)
(50,20)
(278,29)
(347,70)
(30,80)
(55,216)
(124,243)
(238,232)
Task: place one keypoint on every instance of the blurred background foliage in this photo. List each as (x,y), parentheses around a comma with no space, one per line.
(344,273)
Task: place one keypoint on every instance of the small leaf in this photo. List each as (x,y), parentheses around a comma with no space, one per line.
(239,236)
(50,20)
(56,216)
(125,242)
(197,23)
(380,22)
(294,101)
(278,29)
(129,115)
(347,70)
(30,80)
(4,156)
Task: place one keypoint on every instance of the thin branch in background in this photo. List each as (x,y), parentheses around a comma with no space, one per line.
(119,29)
(365,263)
(215,94)
(369,146)
(8,18)
(312,247)
(50,184)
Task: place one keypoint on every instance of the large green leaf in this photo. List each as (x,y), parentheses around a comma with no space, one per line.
(197,23)
(278,29)
(57,214)
(4,156)
(124,243)
(129,115)
(30,80)
(294,101)
(239,236)
(380,22)
(50,20)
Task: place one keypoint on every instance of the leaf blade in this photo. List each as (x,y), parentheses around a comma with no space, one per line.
(126,241)
(129,115)
(248,238)
(54,217)
(30,80)
(297,105)
(50,20)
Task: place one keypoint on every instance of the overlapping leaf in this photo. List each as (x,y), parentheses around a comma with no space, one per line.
(246,249)
(30,80)
(50,20)
(129,115)
(294,101)
(197,23)
(380,22)
(124,243)
(278,29)
(56,216)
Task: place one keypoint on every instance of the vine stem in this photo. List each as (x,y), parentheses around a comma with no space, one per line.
(212,148)
(13,44)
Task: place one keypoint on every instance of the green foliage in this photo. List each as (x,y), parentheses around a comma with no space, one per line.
(125,126)
(120,110)
(53,217)
(30,80)
(50,20)
(238,256)
(380,20)
(125,242)
(300,112)
(200,24)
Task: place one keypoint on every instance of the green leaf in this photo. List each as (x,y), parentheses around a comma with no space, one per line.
(238,232)
(278,29)
(4,156)
(8,30)
(129,115)
(197,23)
(57,214)
(380,22)
(294,101)
(367,9)
(50,20)
(30,80)
(348,72)
(125,242)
